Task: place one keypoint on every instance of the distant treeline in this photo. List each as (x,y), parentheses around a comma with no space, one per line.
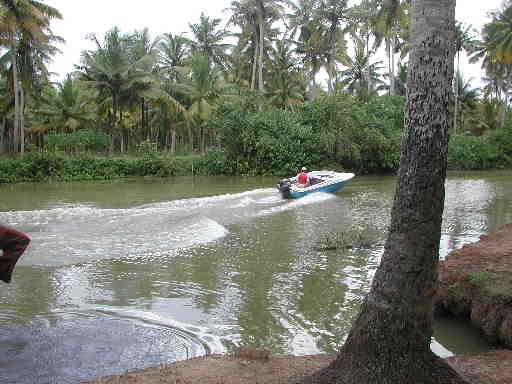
(252,138)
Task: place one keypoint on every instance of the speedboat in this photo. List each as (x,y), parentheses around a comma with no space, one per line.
(319,181)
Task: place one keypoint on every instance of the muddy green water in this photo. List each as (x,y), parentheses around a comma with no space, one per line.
(132,273)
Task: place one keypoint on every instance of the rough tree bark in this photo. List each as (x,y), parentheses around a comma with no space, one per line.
(389,342)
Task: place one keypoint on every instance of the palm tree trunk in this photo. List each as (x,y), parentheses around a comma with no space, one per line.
(330,73)
(260,60)
(389,342)
(368,74)
(173,137)
(312,86)
(261,23)
(503,114)
(190,136)
(254,66)
(456,91)
(16,121)
(201,138)
(142,115)
(22,120)
(392,65)
(114,125)
(3,124)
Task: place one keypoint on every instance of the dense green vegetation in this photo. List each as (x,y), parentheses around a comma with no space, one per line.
(238,98)
(329,132)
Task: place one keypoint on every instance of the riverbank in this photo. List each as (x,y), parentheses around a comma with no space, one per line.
(494,367)
(475,283)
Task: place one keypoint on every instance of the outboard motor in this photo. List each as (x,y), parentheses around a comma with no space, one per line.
(284,187)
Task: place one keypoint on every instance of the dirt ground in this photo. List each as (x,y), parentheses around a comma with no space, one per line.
(490,368)
(475,281)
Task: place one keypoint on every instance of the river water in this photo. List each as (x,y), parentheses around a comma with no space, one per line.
(132,273)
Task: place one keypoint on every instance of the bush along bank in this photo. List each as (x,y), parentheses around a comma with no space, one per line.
(336,132)
(45,167)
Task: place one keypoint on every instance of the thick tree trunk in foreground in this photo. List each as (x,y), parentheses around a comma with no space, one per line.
(390,341)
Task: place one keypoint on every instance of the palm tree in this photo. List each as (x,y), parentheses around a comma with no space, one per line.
(142,46)
(5,108)
(390,339)
(117,79)
(244,16)
(307,32)
(170,115)
(362,21)
(464,41)
(201,86)
(467,99)
(172,54)
(361,78)
(334,15)
(495,51)
(286,85)
(68,108)
(28,21)
(256,18)
(498,34)
(391,22)
(209,41)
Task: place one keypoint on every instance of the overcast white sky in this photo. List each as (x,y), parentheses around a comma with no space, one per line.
(83,17)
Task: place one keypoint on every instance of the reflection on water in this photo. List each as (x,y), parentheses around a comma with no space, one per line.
(133,273)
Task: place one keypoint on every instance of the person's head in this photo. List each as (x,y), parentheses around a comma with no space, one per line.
(304,169)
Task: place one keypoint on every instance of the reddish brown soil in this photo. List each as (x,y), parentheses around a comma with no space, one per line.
(475,282)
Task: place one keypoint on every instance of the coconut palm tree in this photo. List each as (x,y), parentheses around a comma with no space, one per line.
(244,16)
(118,80)
(209,41)
(172,54)
(391,21)
(362,21)
(495,52)
(286,85)
(256,18)
(202,87)
(464,41)
(308,32)
(334,15)
(498,34)
(360,71)
(467,99)
(389,342)
(28,21)
(68,108)
(141,45)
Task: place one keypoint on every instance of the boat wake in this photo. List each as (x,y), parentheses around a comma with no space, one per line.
(70,234)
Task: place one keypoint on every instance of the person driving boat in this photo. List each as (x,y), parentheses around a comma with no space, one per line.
(303,178)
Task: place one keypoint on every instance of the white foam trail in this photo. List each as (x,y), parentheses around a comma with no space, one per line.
(288,205)
(201,202)
(85,235)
